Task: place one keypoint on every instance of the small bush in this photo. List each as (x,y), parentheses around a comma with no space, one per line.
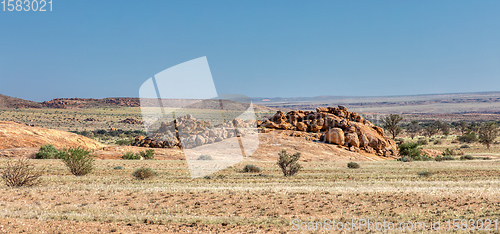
(47,152)
(205,157)
(79,160)
(21,173)
(289,163)
(118,168)
(148,154)
(425,173)
(144,173)
(352,165)
(464,146)
(131,156)
(438,142)
(466,157)
(251,168)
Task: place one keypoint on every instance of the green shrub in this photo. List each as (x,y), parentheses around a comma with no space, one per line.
(148,154)
(352,165)
(251,168)
(425,173)
(469,137)
(79,160)
(20,173)
(205,157)
(144,173)
(410,149)
(131,156)
(47,152)
(289,163)
(118,168)
(466,157)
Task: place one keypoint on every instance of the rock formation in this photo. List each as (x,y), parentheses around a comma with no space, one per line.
(192,132)
(336,126)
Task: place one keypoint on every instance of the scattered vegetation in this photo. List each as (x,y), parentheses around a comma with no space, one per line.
(20,173)
(466,157)
(147,155)
(444,158)
(144,173)
(251,168)
(289,163)
(118,168)
(47,152)
(353,165)
(78,160)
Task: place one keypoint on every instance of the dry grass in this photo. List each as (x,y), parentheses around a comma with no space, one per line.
(383,190)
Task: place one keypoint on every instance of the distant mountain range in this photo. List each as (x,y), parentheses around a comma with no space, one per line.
(482,102)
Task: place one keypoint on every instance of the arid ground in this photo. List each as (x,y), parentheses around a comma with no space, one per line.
(111,200)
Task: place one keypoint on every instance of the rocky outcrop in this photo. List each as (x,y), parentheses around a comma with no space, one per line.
(188,132)
(335,125)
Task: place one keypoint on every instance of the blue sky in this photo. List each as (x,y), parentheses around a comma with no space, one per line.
(87,48)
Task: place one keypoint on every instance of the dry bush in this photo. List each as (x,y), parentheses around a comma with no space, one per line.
(288,163)
(21,173)
(144,173)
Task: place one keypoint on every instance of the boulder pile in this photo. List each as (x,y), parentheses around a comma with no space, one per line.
(188,132)
(336,126)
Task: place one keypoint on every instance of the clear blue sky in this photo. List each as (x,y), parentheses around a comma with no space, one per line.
(89,48)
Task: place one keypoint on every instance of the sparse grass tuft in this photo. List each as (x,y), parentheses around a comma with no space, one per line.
(118,168)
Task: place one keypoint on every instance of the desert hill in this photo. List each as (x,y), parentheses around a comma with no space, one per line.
(12,102)
(116,102)
(16,135)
